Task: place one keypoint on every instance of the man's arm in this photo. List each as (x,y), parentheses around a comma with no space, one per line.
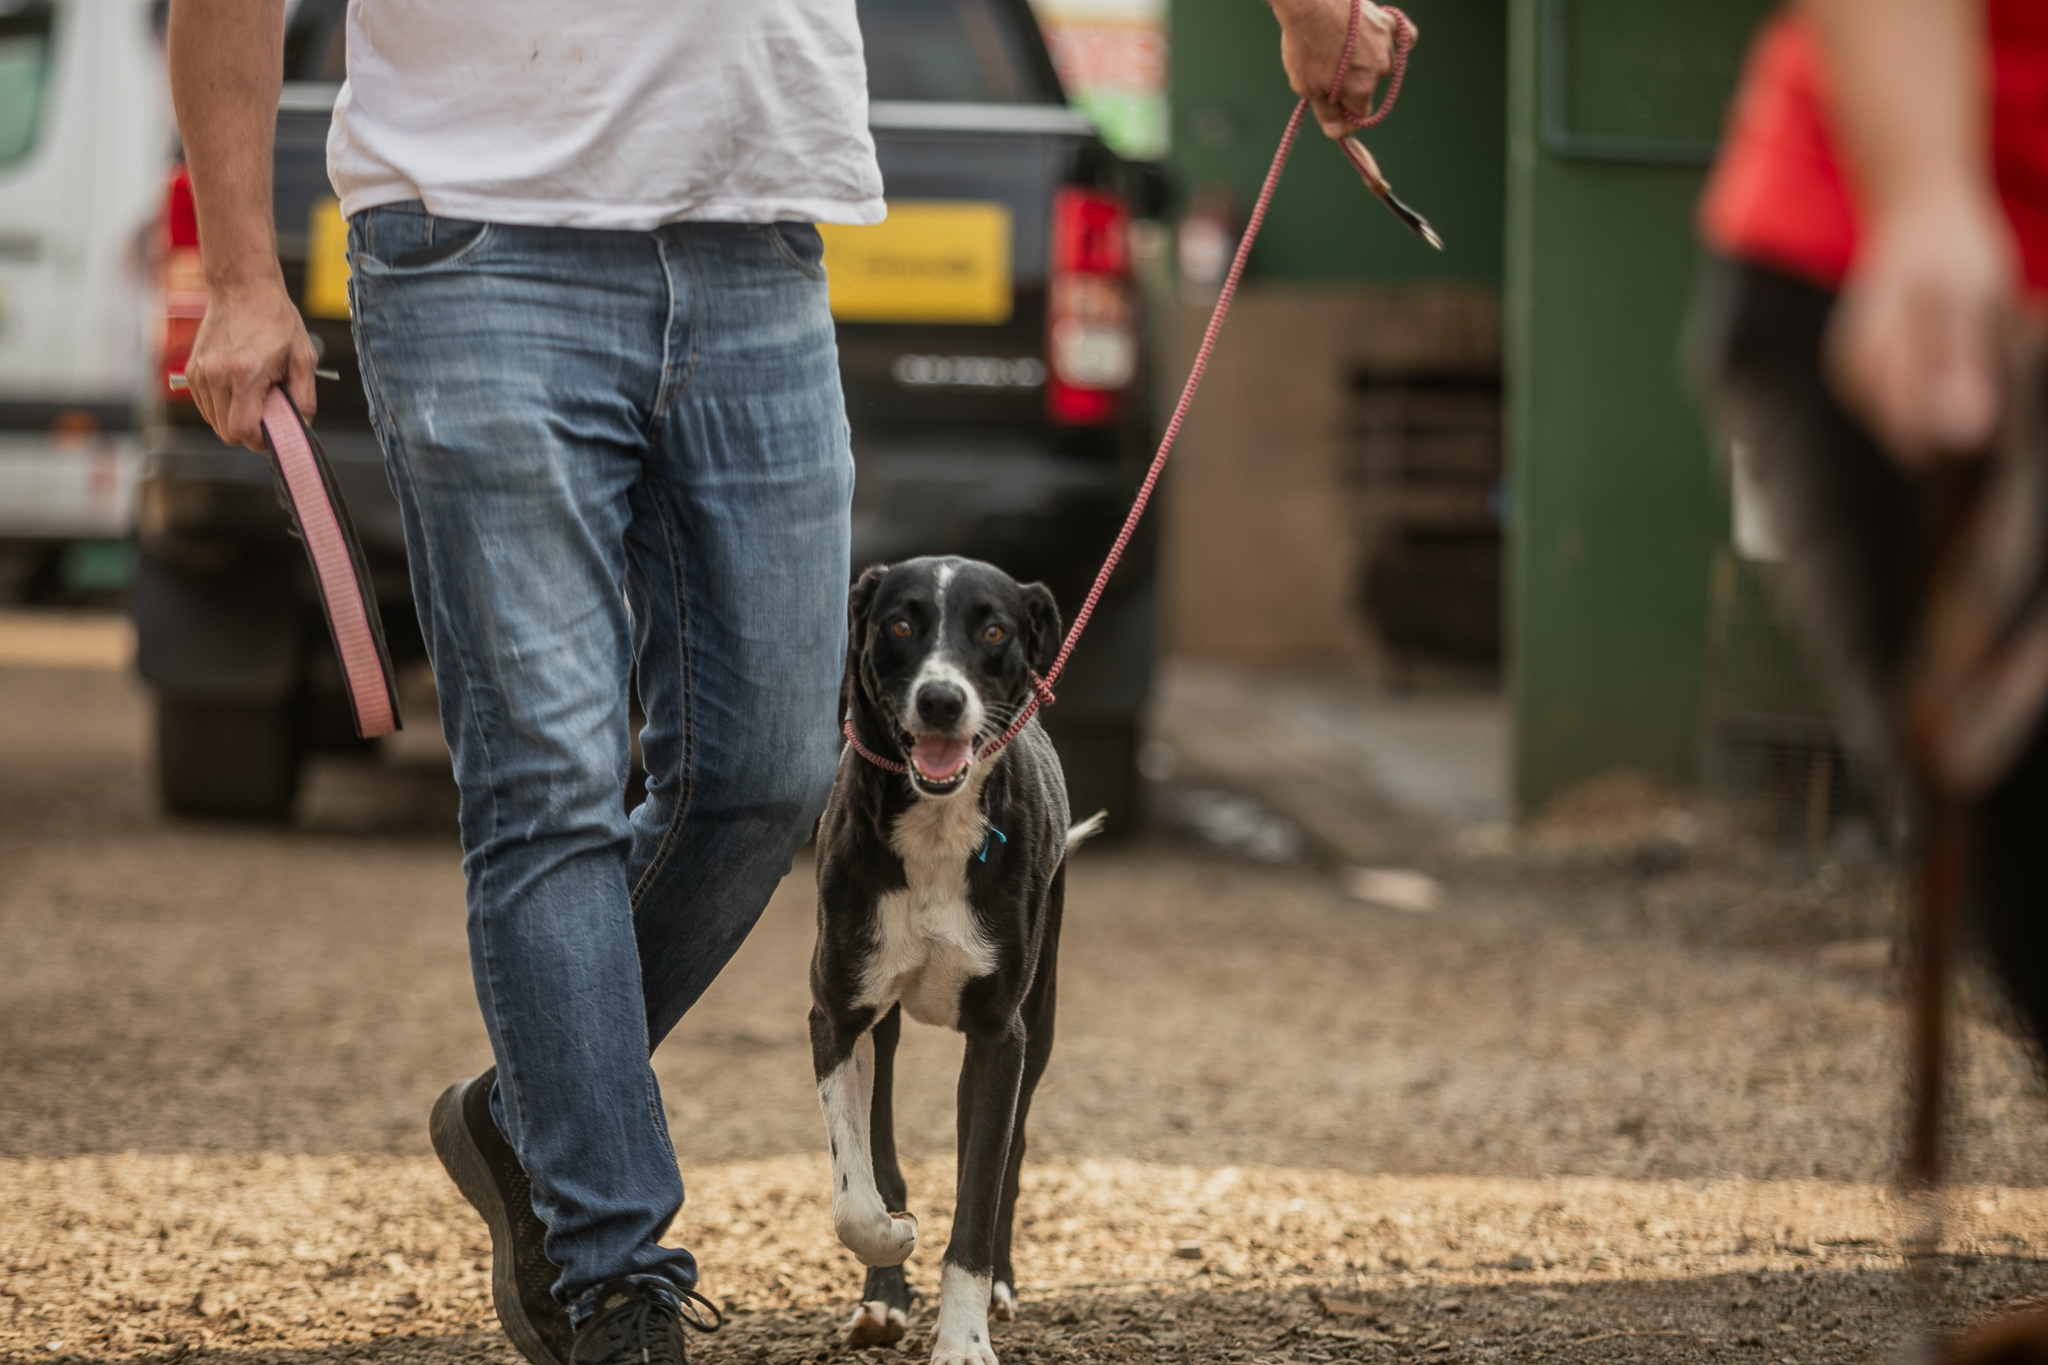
(227,64)
(1312,39)
(1918,344)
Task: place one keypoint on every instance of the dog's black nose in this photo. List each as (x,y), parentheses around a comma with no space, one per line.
(939,705)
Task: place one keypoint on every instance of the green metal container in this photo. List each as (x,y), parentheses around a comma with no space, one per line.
(1614,109)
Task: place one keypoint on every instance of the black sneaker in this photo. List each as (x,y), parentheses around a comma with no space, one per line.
(637,1324)
(484,1167)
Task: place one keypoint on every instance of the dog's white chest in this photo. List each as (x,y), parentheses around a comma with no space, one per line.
(928,945)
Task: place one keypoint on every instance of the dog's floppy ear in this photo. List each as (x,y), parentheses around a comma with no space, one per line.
(1041,627)
(860,601)
(860,604)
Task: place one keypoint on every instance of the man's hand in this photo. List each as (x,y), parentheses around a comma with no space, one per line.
(1312,39)
(1920,339)
(1919,342)
(251,340)
(227,64)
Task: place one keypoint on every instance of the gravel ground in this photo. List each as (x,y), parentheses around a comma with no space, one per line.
(1601,1106)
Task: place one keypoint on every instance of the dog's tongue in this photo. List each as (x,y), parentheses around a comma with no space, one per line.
(939,758)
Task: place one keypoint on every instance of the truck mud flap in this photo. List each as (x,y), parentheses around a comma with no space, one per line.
(221,637)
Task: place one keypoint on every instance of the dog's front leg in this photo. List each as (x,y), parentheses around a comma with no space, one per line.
(990,1075)
(843,1054)
(884,1312)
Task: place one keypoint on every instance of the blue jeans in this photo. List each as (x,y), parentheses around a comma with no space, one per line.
(620,456)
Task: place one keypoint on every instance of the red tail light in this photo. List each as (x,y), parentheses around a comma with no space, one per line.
(1090,342)
(181,284)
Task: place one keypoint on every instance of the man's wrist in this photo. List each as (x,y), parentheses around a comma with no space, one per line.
(1939,198)
(243,276)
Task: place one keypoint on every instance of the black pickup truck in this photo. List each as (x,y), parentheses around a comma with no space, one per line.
(1008,423)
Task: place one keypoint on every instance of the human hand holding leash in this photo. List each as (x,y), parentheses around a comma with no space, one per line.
(1313,34)
(1920,341)
(1356,43)
(1922,338)
(251,341)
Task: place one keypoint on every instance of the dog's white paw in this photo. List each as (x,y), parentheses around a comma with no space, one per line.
(973,1349)
(876,1324)
(884,1239)
(1002,1303)
(960,1336)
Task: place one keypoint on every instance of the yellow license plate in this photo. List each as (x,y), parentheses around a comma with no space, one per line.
(929,261)
(327,261)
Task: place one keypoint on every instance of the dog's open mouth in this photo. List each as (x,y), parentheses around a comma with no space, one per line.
(939,763)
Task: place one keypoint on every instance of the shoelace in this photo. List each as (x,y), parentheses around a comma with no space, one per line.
(633,1334)
(692,1317)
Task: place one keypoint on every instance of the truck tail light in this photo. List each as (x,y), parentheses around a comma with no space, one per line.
(1091,342)
(181,284)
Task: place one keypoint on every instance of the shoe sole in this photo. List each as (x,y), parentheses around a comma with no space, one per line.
(465,1164)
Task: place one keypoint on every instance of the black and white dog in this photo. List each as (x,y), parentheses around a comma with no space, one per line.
(939,896)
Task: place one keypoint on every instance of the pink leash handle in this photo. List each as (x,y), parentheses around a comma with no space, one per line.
(347,598)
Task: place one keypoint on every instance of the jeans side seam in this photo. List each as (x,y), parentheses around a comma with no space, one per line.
(659,1119)
(671,837)
(686,700)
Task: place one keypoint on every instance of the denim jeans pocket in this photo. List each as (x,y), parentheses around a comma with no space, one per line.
(801,246)
(401,239)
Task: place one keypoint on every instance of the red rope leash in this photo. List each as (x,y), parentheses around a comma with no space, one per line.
(870,755)
(1042,687)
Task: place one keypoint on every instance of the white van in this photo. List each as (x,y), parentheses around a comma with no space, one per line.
(85,136)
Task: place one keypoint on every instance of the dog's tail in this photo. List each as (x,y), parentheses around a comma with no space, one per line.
(1087,829)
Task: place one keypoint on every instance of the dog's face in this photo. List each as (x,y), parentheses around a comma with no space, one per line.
(941,651)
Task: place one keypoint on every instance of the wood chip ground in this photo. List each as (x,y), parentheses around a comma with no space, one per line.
(1586,1111)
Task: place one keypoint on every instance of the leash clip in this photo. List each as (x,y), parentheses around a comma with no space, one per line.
(1368,169)
(1350,144)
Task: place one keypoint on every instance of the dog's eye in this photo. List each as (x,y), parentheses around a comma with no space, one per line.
(995,635)
(900,628)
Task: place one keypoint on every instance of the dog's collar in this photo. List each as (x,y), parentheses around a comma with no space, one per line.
(1041,697)
(993,833)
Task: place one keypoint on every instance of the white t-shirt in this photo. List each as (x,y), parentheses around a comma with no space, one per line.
(615,114)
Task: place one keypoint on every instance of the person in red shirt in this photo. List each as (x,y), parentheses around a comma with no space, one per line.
(1878,221)
(1938,220)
